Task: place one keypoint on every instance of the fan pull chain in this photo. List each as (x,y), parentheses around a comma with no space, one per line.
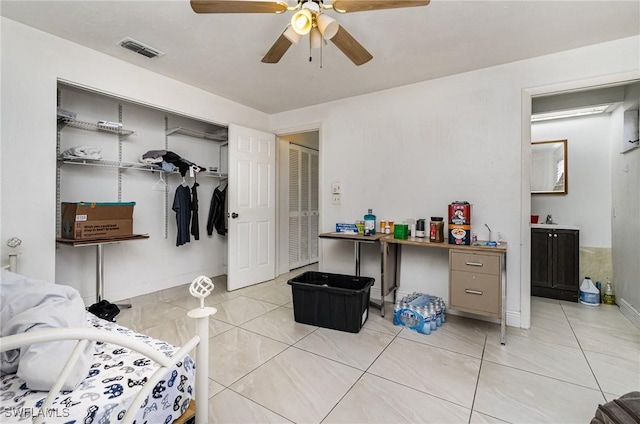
(311,50)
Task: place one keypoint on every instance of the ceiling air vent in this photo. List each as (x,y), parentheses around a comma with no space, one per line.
(140,48)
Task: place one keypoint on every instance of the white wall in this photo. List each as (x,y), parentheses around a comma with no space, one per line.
(625,172)
(32,63)
(408,152)
(588,201)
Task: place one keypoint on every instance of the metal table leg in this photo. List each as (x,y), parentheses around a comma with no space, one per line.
(100,276)
(99,272)
(398,266)
(357,256)
(390,283)
(503,294)
(357,260)
(383,281)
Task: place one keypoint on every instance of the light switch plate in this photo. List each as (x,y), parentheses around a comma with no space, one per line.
(335,188)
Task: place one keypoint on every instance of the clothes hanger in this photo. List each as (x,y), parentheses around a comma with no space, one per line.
(161,184)
(193,171)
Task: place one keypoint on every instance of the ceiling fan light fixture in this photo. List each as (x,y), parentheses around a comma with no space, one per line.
(315,38)
(327,25)
(302,21)
(291,35)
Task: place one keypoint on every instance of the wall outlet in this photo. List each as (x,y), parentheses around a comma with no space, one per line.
(335,188)
(336,199)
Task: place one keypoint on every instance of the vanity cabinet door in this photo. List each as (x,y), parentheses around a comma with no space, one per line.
(566,260)
(555,263)
(541,258)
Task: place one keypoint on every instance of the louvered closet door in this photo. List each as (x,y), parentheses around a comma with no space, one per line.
(314,210)
(294,208)
(303,206)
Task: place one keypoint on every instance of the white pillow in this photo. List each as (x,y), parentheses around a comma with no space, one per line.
(28,304)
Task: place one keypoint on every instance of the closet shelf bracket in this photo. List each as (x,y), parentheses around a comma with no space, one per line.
(220,136)
(90,126)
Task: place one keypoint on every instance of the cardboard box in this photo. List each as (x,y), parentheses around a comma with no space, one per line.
(347,228)
(85,221)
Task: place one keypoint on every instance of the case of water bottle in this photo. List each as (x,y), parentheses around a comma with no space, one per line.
(420,312)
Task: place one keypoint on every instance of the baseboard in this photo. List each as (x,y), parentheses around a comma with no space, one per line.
(147,287)
(630,312)
(513,319)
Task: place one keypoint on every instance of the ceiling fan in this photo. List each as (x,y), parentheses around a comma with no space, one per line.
(308,19)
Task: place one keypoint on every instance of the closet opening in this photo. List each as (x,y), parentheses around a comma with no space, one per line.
(112,150)
(299,216)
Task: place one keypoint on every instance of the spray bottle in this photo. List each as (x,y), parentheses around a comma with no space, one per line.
(609,297)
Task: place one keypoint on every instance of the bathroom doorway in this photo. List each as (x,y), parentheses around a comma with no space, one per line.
(603,249)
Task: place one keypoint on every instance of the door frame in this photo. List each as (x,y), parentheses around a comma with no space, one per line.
(282,216)
(525,188)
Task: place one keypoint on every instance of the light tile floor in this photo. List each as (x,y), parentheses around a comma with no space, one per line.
(265,367)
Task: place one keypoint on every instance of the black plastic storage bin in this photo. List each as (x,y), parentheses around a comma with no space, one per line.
(336,301)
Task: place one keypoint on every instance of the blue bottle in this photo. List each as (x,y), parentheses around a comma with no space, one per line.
(443,311)
(426,321)
(432,314)
(369,223)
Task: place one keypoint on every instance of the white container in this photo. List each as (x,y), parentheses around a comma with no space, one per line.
(589,293)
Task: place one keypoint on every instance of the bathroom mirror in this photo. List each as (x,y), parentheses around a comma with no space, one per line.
(549,167)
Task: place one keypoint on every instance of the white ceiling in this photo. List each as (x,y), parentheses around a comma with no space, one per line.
(221,53)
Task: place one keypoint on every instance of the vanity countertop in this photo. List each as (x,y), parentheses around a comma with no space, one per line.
(555,226)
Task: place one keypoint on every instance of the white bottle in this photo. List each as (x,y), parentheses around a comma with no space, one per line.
(589,293)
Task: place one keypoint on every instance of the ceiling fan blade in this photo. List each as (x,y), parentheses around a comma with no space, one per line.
(350,47)
(278,50)
(364,5)
(238,6)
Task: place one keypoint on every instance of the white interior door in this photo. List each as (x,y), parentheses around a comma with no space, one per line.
(251,207)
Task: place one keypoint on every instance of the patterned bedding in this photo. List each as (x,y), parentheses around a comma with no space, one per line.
(115,377)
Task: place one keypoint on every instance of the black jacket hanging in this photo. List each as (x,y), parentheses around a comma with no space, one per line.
(195,224)
(217,212)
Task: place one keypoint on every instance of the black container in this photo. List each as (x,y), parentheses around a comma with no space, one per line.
(420,228)
(336,301)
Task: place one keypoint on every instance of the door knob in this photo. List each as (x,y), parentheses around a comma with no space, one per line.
(234,215)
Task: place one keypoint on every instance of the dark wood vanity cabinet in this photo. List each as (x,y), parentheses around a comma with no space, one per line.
(555,263)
